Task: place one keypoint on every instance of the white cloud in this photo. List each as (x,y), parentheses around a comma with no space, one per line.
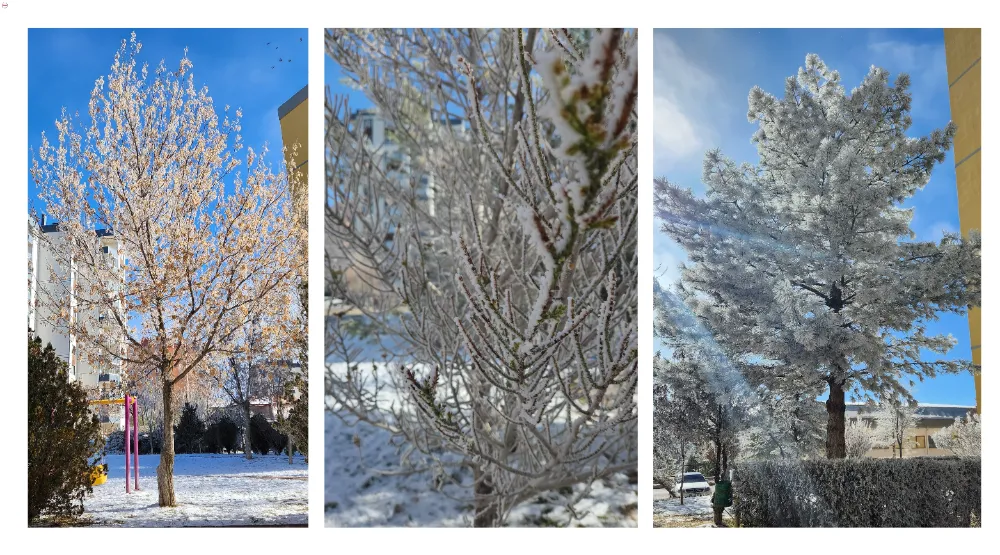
(674,135)
(925,63)
(686,101)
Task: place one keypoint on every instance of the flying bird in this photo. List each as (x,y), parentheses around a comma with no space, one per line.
(289,60)
(272,67)
(300,39)
(280,60)
(268,44)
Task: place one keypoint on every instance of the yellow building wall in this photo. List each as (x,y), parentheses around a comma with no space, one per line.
(963,52)
(293,116)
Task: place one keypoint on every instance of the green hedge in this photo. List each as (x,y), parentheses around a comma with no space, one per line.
(867,493)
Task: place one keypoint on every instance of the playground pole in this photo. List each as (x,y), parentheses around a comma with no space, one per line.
(128,436)
(135,435)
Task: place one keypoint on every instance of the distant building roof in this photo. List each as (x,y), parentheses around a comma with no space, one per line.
(924,410)
(54,228)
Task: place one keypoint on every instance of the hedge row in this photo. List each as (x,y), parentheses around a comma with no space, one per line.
(869,493)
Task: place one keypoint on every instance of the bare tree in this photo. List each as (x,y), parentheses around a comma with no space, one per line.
(505,308)
(203,247)
(254,373)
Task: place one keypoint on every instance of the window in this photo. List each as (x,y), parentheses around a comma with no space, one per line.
(366,128)
(930,442)
(921,443)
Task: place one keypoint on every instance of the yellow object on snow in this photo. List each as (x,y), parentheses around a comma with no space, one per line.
(99,475)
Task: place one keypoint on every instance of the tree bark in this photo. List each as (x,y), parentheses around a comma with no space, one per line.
(165,471)
(486,509)
(683,462)
(836,447)
(247,448)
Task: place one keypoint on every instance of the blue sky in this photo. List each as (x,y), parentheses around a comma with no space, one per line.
(235,64)
(333,75)
(702,78)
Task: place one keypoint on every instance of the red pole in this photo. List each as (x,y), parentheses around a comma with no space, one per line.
(135,432)
(127,438)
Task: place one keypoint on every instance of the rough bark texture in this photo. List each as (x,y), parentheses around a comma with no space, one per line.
(165,471)
(486,510)
(836,447)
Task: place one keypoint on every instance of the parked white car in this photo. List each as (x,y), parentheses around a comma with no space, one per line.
(694,483)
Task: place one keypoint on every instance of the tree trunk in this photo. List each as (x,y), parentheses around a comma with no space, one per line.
(486,509)
(683,462)
(247,448)
(836,447)
(165,471)
(291,448)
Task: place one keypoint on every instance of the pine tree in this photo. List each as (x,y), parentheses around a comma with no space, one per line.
(63,436)
(296,425)
(804,265)
(188,433)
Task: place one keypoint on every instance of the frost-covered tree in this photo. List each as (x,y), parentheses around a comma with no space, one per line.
(205,246)
(786,426)
(894,423)
(804,264)
(675,434)
(511,306)
(697,378)
(859,438)
(963,437)
(739,418)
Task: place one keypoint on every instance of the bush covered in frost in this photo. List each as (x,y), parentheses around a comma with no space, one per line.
(915,492)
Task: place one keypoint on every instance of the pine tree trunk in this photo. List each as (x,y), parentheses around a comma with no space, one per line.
(836,447)
(165,471)
(247,448)
(486,510)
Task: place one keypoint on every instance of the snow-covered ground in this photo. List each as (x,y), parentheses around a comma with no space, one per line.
(211,490)
(365,486)
(668,512)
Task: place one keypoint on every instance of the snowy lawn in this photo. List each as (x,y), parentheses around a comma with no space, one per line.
(212,490)
(668,512)
(365,486)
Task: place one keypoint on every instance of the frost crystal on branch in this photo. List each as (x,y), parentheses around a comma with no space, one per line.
(510,312)
(206,240)
(804,265)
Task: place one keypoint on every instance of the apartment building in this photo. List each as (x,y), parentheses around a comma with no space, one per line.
(57,302)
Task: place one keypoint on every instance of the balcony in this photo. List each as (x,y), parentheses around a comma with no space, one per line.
(109,378)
